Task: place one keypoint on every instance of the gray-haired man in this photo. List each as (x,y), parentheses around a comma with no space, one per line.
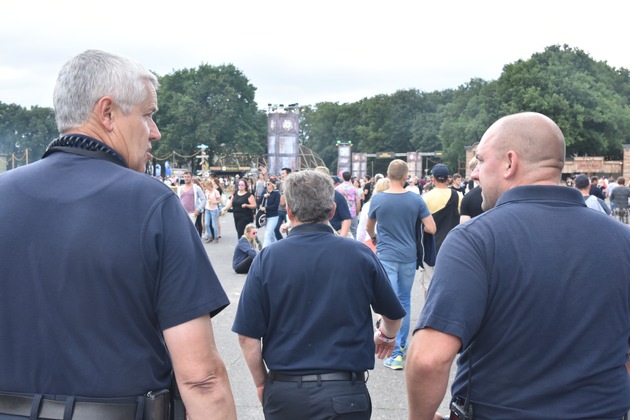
(313,312)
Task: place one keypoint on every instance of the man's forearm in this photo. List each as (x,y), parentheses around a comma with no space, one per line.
(252,352)
(425,391)
(200,372)
(370,227)
(390,327)
(428,366)
(345,228)
(212,394)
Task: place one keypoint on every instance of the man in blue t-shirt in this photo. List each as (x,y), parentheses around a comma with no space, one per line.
(397,210)
(543,333)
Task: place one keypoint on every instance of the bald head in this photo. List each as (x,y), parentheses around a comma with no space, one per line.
(536,139)
(520,149)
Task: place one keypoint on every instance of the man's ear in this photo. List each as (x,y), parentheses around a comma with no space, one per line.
(332,213)
(104,109)
(289,213)
(511,164)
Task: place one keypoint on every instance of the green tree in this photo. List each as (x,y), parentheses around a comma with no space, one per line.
(326,123)
(22,129)
(209,105)
(588,99)
(464,120)
(425,128)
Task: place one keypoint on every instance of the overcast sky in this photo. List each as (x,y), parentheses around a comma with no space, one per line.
(304,51)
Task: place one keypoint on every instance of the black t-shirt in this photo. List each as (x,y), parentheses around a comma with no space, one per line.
(368,194)
(237,205)
(471,203)
(597,192)
(461,189)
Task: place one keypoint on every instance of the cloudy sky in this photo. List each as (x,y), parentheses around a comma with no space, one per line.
(304,51)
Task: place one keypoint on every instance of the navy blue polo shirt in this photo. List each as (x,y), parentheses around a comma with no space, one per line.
(541,305)
(98,261)
(310,298)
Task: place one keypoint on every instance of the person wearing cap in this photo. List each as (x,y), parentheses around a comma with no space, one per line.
(305,313)
(444,204)
(542,333)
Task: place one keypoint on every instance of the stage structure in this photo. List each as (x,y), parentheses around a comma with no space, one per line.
(344,157)
(359,164)
(360,160)
(283,151)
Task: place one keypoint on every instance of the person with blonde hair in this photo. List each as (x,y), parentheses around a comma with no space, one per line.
(211,216)
(381,185)
(246,249)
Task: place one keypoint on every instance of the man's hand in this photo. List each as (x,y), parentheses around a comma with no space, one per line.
(383,349)
(259,390)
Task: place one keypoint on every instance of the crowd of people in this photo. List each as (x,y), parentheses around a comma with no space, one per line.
(107,313)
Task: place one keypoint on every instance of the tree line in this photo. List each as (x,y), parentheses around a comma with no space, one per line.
(215,106)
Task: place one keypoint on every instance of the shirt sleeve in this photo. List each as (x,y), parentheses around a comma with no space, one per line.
(201,199)
(186,285)
(253,308)
(424,209)
(458,293)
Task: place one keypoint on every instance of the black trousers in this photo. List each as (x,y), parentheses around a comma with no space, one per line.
(240,221)
(347,400)
(243,266)
(198,225)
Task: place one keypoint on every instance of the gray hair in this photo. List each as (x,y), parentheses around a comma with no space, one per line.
(90,76)
(310,196)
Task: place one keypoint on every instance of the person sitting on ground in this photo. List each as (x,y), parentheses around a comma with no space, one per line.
(246,249)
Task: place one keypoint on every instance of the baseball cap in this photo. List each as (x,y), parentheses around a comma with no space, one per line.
(440,171)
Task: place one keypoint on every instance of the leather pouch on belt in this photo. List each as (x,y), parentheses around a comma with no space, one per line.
(157,405)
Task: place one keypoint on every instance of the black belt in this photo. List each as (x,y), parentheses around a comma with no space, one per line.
(22,405)
(320,377)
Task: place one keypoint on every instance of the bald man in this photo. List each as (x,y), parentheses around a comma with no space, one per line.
(542,333)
